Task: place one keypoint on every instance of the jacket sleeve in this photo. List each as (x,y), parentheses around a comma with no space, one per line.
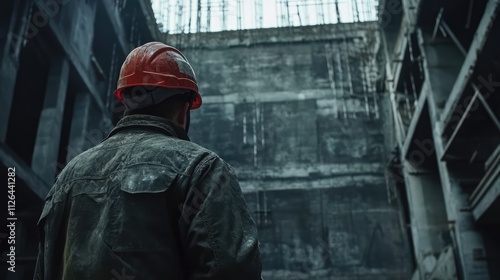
(38,275)
(220,239)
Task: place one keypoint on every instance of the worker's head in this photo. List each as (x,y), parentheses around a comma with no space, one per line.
(156,79)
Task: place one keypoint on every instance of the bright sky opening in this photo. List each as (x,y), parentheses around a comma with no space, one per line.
(191,16)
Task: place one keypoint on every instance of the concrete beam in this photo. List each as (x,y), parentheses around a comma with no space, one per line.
(82,31)
(274,96)
(306,171)
(45,153)
(10,159)
(338,181)
(488,191)
(9,65)
(150,19)
(74,59)
(302,34)
(116,24)
(482,34)
(8,73)
(14,41)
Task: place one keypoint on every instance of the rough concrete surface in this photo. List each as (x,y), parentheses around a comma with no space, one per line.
(301,124)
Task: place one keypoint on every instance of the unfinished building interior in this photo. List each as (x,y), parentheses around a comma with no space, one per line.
(364,133)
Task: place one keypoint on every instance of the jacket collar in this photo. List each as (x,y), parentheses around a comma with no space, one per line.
(163,125)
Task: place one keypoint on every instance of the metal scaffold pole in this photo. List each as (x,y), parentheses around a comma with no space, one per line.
(209,12)
(180,12)
(258,14)
(320,13)
(190,15)
(238,14)
(355,10)
(198,17)
(330,63)
(288,22)
(224,14)
(337,11)
(306,13)
(298,15)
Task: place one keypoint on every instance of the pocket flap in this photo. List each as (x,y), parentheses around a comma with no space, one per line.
(146,178)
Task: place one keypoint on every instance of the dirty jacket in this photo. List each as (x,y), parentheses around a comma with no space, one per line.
(145,204)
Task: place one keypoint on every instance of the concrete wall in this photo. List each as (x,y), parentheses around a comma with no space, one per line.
(297,114)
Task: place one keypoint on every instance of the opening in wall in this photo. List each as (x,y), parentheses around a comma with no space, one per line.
(66,126)
(444,61)
(456,20)
(28,100)
(410,82)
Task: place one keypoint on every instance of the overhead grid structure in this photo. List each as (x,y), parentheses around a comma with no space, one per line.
(194,16)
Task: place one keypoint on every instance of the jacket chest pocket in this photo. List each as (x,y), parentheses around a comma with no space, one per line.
(140,217)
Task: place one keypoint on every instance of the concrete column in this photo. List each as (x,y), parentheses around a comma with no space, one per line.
(467,235)
(9,63)
(427,212)
(86,126)
(46,149)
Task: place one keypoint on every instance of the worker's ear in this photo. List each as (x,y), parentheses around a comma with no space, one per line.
(182,118)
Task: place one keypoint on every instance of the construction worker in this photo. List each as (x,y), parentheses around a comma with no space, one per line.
(146,203)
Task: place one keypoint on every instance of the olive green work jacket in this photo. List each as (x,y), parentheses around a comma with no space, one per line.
(146,203)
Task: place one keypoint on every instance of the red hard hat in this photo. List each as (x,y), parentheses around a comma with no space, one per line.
(158,65)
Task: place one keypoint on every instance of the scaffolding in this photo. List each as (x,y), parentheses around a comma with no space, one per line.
(195,16)
(351,65)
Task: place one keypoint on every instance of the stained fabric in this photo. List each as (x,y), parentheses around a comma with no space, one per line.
(147,203)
